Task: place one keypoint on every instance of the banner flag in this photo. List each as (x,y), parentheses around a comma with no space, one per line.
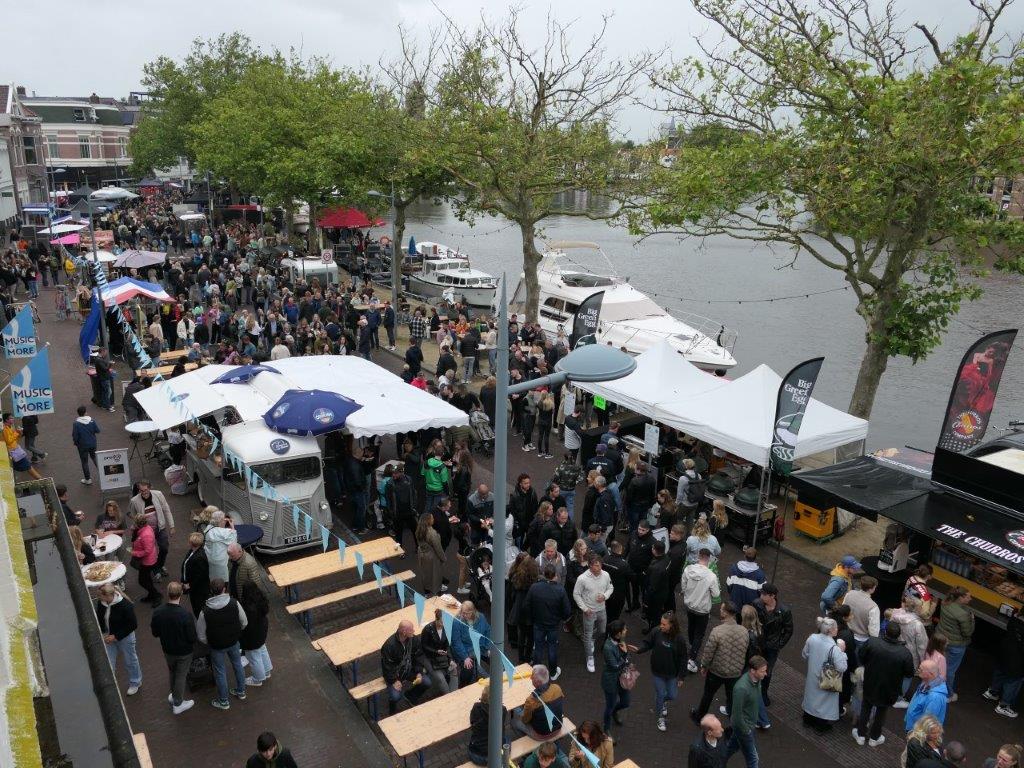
(794,395)
(341,550)
(584,323)
(90,329)
(324,537)
(31,387)
(295,517)
(510,673)
(974,391)
(20,335)
(309,526)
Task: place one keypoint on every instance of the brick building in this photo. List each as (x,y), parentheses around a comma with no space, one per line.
(1006,194)
(22,173)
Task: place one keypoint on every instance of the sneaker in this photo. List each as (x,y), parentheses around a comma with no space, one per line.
(185,706)
(723,711)
(465,589)
(240,695)
(558,671)
(876,742)
(952,699)
(252,682)
(85,481)
(133,689)
(526,448)
(763,726)
(990,696)
(858,738)
(590,663)
(901,703)
(691,665)
(1006,711)
(219,704)
(661,724)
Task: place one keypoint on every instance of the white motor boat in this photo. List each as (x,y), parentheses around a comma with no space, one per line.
(445,269)
(629,319)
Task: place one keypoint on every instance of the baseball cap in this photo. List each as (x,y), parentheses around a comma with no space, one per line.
(849,561)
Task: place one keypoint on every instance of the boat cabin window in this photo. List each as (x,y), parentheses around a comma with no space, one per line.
(444,279)
(473,281)
(289,471)
(459,281)
(553,309)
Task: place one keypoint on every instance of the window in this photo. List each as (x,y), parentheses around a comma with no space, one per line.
(79,115)
(29,142)
(444,279)
(52,146)
(290,471)
(84,147)
(122,144)
(553,302)
(1008,187)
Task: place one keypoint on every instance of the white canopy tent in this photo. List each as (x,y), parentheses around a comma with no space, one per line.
(739,416)
(662,374)
(389,404)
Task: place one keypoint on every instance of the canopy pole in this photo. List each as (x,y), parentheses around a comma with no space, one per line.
(778,544)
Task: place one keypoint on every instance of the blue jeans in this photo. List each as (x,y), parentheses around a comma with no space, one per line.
(614,488)
(126,647)
(468,363)
(359,504)
(762,713)
(545,647)
(570,501)
(664,692)
(742,742)
(954,658)
(432,499)
(613,702)
(492,360)
(635,512)
(107,393)
(220,659)
(259,661)
(1006,687)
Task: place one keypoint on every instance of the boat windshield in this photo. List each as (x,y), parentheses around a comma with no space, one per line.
(630,310)
(580,280)
(290,470)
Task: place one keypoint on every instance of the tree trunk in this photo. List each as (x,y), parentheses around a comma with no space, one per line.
(312,234)
(397,251)
(531,259)
(872,366)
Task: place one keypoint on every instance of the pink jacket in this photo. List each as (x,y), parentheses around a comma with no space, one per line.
(144,545)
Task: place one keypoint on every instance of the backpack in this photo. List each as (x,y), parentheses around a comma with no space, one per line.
(695,490)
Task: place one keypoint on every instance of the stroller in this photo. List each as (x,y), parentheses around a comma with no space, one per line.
(482,432)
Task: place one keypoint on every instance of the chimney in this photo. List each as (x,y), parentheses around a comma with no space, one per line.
(21,90)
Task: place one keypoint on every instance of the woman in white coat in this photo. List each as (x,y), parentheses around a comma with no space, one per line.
(821,708)
(219,535)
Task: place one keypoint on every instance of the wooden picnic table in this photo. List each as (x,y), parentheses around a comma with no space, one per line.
(173,355)
(354,643)
(626,764)
(434,721)
(164,370)
(328,563)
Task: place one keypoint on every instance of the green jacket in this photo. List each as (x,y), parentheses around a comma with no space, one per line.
(435,474)
(956,622)
(532,761)
(745,696)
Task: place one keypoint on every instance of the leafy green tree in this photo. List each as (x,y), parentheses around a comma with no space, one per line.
(177,93)
(526,126)
(856,146)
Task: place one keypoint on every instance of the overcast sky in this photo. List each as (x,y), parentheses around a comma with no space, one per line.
(75,49)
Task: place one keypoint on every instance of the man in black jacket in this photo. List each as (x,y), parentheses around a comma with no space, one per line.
(639,556)
(401,501)
(117,625)
(621,575)
(640,495)
(176,628)
(777,628)
(886,663)
(677,558)
(659,587)
(560,530)
(414,357)
(195,573)
(547,604)
(708,750)
(402,664)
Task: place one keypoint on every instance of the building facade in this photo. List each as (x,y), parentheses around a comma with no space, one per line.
(22,169)
(1007,195)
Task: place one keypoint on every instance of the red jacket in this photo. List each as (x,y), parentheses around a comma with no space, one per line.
(144,545)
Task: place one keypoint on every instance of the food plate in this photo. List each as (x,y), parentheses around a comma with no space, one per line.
(103,572)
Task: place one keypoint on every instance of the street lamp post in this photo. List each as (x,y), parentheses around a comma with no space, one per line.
(96,265)
(396,272)
(595,362)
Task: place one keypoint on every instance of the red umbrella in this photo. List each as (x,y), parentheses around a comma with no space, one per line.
(347,218)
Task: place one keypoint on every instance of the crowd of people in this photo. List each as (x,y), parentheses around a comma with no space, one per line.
(574,568)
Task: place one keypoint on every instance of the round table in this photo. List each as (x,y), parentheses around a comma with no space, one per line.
(106,547)
(248,535)
(116,575)
(140,427)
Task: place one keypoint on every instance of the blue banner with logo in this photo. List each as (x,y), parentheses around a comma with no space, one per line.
(20,335)
(31,387)
(91,327)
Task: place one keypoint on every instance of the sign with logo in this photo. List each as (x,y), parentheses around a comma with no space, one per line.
(31,388)
(280,446)
(1012,554)
(974,391)
(281,410)
(326,255)
(114,470)
(651,436)
(20,335)
(584,323)
(794,395)
(323,415)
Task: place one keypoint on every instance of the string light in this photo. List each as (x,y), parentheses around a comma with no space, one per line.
(465,234)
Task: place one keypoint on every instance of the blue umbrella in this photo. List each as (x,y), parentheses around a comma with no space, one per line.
(243,374)
(412,245)
(309,412)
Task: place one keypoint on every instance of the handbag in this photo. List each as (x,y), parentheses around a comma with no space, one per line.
(628,676)
(831,678)
(136,563)
(18,453)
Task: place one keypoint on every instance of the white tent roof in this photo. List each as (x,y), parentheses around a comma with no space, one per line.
(389,404)
(738,416)
(662,374)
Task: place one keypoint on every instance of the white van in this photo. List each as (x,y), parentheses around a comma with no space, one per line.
(291,464)
(307,269)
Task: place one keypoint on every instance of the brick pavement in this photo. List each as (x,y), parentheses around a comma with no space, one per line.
(306,707)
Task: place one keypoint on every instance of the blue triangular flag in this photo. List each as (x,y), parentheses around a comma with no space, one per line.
(590,756)
(309,526)
(324,536)
(547,712)
(510,673)
(400,586)
(377,576)
(359,564)
(421,603)
(341,550)
(474,638)
(448,621)
(295,518)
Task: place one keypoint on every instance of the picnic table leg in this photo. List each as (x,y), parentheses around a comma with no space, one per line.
(307,622)
(419,756)
(373,705)
(355,673)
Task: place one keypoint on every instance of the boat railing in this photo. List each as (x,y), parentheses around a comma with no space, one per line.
(706,328)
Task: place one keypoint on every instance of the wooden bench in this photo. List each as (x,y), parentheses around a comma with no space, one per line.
(369,690)
(142,750)
(163,370)
(626,764)
(524,745)
(330,598)
(173,355)
(288,575)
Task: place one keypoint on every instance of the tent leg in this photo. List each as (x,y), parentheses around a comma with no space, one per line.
(778,544)
(766,481)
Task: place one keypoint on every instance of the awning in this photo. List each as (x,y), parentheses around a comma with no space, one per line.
(132,259)
(347,218)
(127,288)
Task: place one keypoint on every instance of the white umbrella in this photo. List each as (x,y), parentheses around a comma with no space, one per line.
(191,216)
(104,257)
(140,259)
(113,193)
(62,229)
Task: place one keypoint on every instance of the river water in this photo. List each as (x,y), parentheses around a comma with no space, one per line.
(684,275)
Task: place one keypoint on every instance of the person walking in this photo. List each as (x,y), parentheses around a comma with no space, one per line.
(430,555)
(195,573)
(220,627)
(153,504)
(722,661)
(270,754)
(116,616)
(83,435)
(548,605)
(699,588)
(144,557)
(1008,672)
(886,663)
(592,590)
(30,431)
(956,622)
(825,655)
(776,628)
(668,663)
(616,661)
(746,703)
(176,629)
(708,750)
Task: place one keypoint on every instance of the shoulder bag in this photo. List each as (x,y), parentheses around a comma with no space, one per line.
(831,678)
